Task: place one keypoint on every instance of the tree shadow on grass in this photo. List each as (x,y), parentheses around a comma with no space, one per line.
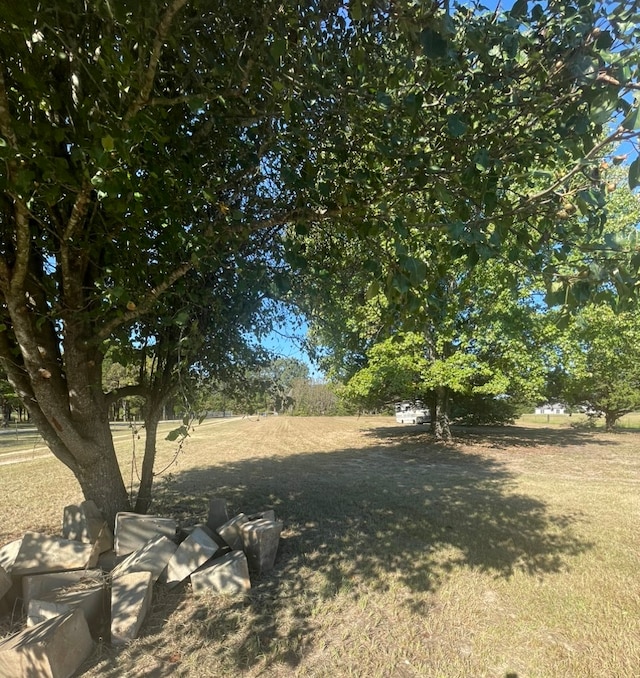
(356,521)
(502,437)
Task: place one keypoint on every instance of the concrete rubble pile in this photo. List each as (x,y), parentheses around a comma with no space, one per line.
(91,582)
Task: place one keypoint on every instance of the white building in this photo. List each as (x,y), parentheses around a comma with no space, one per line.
(551,408)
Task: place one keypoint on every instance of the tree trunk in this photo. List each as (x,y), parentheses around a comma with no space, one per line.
(63,394)
(610,419)
(102,482)
(151,419)
(442,428)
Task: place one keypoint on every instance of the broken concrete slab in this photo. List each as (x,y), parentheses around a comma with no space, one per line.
(217,515)
(133,530)
(42,585)
(269,514)
(152,557)
(260,542)
(130,601)
(8,554)
(226,575)
(84,522)
(5,582)
(231,531)
(53,649)
(90,599)
(194,551)
(43,553)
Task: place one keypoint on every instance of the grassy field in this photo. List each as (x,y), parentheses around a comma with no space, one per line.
(511,553)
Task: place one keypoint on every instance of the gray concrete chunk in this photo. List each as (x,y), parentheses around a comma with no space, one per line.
(90,599)
(42,585)
(130,601)
(217,513)
(194,551)
(53,649)
(231,531)
(8,554)
(5,581)
(269,514)
(260,540)
(226,575)
(42,553)
(84,522)
(152,557)
(134,530)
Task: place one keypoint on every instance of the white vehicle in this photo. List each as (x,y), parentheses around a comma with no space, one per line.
(412,412)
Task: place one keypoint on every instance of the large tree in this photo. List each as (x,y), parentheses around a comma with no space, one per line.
(601,363)
(139,188)
(486,142)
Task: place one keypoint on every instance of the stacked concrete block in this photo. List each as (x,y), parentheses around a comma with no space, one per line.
(269,514)
(90,599)
(42,553)
(194,551)
(134,530)
(53,649)
(84,522)
(153,557)
(130,601)
(231,531)
(227,575)
(61,593)
(217,515)
(260,542)
(40,585)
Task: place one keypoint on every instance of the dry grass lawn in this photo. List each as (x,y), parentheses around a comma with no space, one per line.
(512,553)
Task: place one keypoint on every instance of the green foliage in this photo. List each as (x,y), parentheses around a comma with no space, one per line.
(601,362)
(481,410)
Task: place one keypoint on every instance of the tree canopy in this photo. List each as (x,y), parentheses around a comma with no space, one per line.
(601,363)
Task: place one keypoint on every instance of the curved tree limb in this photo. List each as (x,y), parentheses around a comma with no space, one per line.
(154,59)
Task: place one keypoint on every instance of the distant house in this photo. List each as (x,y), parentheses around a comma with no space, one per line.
(551,408)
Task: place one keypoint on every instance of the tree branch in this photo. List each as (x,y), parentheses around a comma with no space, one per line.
(150,74)
(123,392)
(603,76)
(6,126)
(79,211)
(16,278)
(619,135)
(150,298)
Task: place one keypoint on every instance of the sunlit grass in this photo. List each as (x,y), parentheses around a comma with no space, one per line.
(628,421)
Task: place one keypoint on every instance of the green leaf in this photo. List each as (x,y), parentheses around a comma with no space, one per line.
(182,318)
(456,126)
(632,121)
(634,173)
(519,9)
(481,160)
(107,143)
(490,199)
(278,48)
(180,432)
(355,9)
(433,44)
(415,270)
(372,291)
